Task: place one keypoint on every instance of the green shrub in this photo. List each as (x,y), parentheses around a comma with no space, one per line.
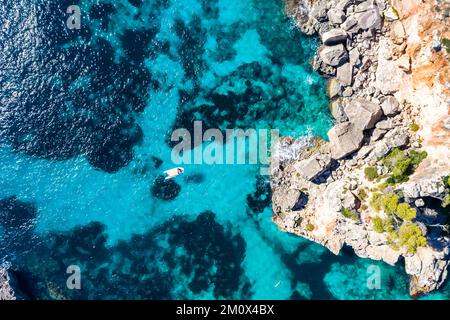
(446,201)
(362,194)
(417,157)
(376,202)
(378,225)
(390,202)
(310,227)
(389,224)
(402,164)
(405,212)
(349,214)
(446,181)
(411,237)
(414,127)
(446,43)
(371,173)
(384,202)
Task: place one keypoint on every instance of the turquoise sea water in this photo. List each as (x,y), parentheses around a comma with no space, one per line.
(86,115)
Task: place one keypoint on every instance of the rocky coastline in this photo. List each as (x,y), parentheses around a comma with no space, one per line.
(381,183)
(7,291)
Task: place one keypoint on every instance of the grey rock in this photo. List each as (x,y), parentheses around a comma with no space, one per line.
(363,114)
(345,138)
(369,20)
(419,203)
(365,6)
(377,134)
(336,16)
(6,289)
(348,92)
(386,125)
(333,56)
(344,4)
(334,36)
(390,106)
(337,111)
(334,88)
(344,74)
(355,57)
(322,68)
(319,13)
(350,25)
(314,166)
(397,138)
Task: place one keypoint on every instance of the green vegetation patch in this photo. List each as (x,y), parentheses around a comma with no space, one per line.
(402,164)
(349,214)
(446,43)
(371,173)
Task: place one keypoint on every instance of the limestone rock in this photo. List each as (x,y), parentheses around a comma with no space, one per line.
(363,114)
(334,88)
(314,166)
(390,106)
(388,75)
(350,25)
(344,74)
(333,56)
(336,16)
(404,63)
(365,6)
(398,34)
(6,290)
(369,20)
(345,138)
(397,138)
(337,111)
(334,36)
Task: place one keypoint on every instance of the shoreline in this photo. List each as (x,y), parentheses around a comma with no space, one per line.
(388,71)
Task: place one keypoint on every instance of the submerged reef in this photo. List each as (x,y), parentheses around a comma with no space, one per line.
(369,187)
(176,260)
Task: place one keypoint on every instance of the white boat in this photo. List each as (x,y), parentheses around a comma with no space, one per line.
(172,173)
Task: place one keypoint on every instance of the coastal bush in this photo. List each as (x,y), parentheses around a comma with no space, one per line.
(310,227)
(446,43)
(446,201)
(378,225)
(362,194)
(405,212)
(384,202)
(410,236)
(371,173)
(414,127)
(402,164)
(349,214)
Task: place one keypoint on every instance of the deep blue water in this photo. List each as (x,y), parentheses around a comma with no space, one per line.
(86,117)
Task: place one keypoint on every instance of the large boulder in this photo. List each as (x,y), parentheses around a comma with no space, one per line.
(390,106)
(345,138)
(337,110)
(344,74)
(369,20)
(336,16)
(363,114)
(333,56)
(314,166)
(334,36)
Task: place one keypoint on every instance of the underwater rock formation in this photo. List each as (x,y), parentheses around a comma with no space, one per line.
(209,262)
